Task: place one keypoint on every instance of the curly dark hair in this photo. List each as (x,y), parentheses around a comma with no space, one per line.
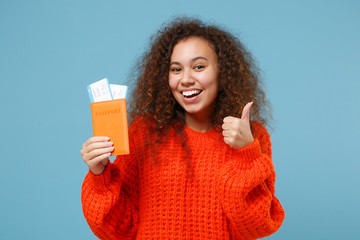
(238,78)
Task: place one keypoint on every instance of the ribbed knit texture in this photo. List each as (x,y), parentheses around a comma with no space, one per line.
(229,196)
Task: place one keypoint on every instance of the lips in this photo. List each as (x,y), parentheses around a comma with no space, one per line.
(190,93)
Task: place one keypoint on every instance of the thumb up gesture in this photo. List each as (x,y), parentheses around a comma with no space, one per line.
(236,131)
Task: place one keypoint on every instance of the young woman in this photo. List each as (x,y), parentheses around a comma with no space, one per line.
(200,161)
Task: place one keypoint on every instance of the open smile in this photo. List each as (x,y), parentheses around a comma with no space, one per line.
(191,93)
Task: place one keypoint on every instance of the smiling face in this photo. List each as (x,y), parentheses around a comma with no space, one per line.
(193,76)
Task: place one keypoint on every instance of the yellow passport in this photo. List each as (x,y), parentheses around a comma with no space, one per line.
(109,119)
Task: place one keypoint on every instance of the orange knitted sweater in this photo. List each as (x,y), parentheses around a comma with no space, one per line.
(230,194)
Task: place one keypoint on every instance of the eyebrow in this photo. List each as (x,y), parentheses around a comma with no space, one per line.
(192,60)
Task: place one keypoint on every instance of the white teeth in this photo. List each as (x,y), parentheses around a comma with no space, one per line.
(189,93)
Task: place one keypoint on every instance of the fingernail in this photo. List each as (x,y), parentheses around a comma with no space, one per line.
(110,143)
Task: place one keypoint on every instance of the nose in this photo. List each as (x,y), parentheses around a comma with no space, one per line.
(187,78)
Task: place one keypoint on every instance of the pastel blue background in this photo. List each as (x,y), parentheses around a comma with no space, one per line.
(51,50)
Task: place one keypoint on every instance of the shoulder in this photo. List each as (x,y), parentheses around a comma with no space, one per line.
(258,129)
(141,124)
(138,128)
(260,132)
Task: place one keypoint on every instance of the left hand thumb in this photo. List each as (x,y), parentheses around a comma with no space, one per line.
(245,115)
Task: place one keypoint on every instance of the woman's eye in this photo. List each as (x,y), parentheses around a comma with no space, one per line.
(199,67)
(175,69)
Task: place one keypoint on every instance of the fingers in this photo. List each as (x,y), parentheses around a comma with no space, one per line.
(95,162)
(94,140)
(245,115)
(230,122)
(95,147)
(98,151)
(229,119)
(236,131)
(95,153)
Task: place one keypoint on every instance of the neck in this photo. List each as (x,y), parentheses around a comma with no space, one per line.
(198,123)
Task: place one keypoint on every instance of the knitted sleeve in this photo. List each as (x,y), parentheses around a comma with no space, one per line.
(110,200)
(247,189)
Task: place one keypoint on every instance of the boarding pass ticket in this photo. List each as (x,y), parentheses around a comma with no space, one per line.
(103,91)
